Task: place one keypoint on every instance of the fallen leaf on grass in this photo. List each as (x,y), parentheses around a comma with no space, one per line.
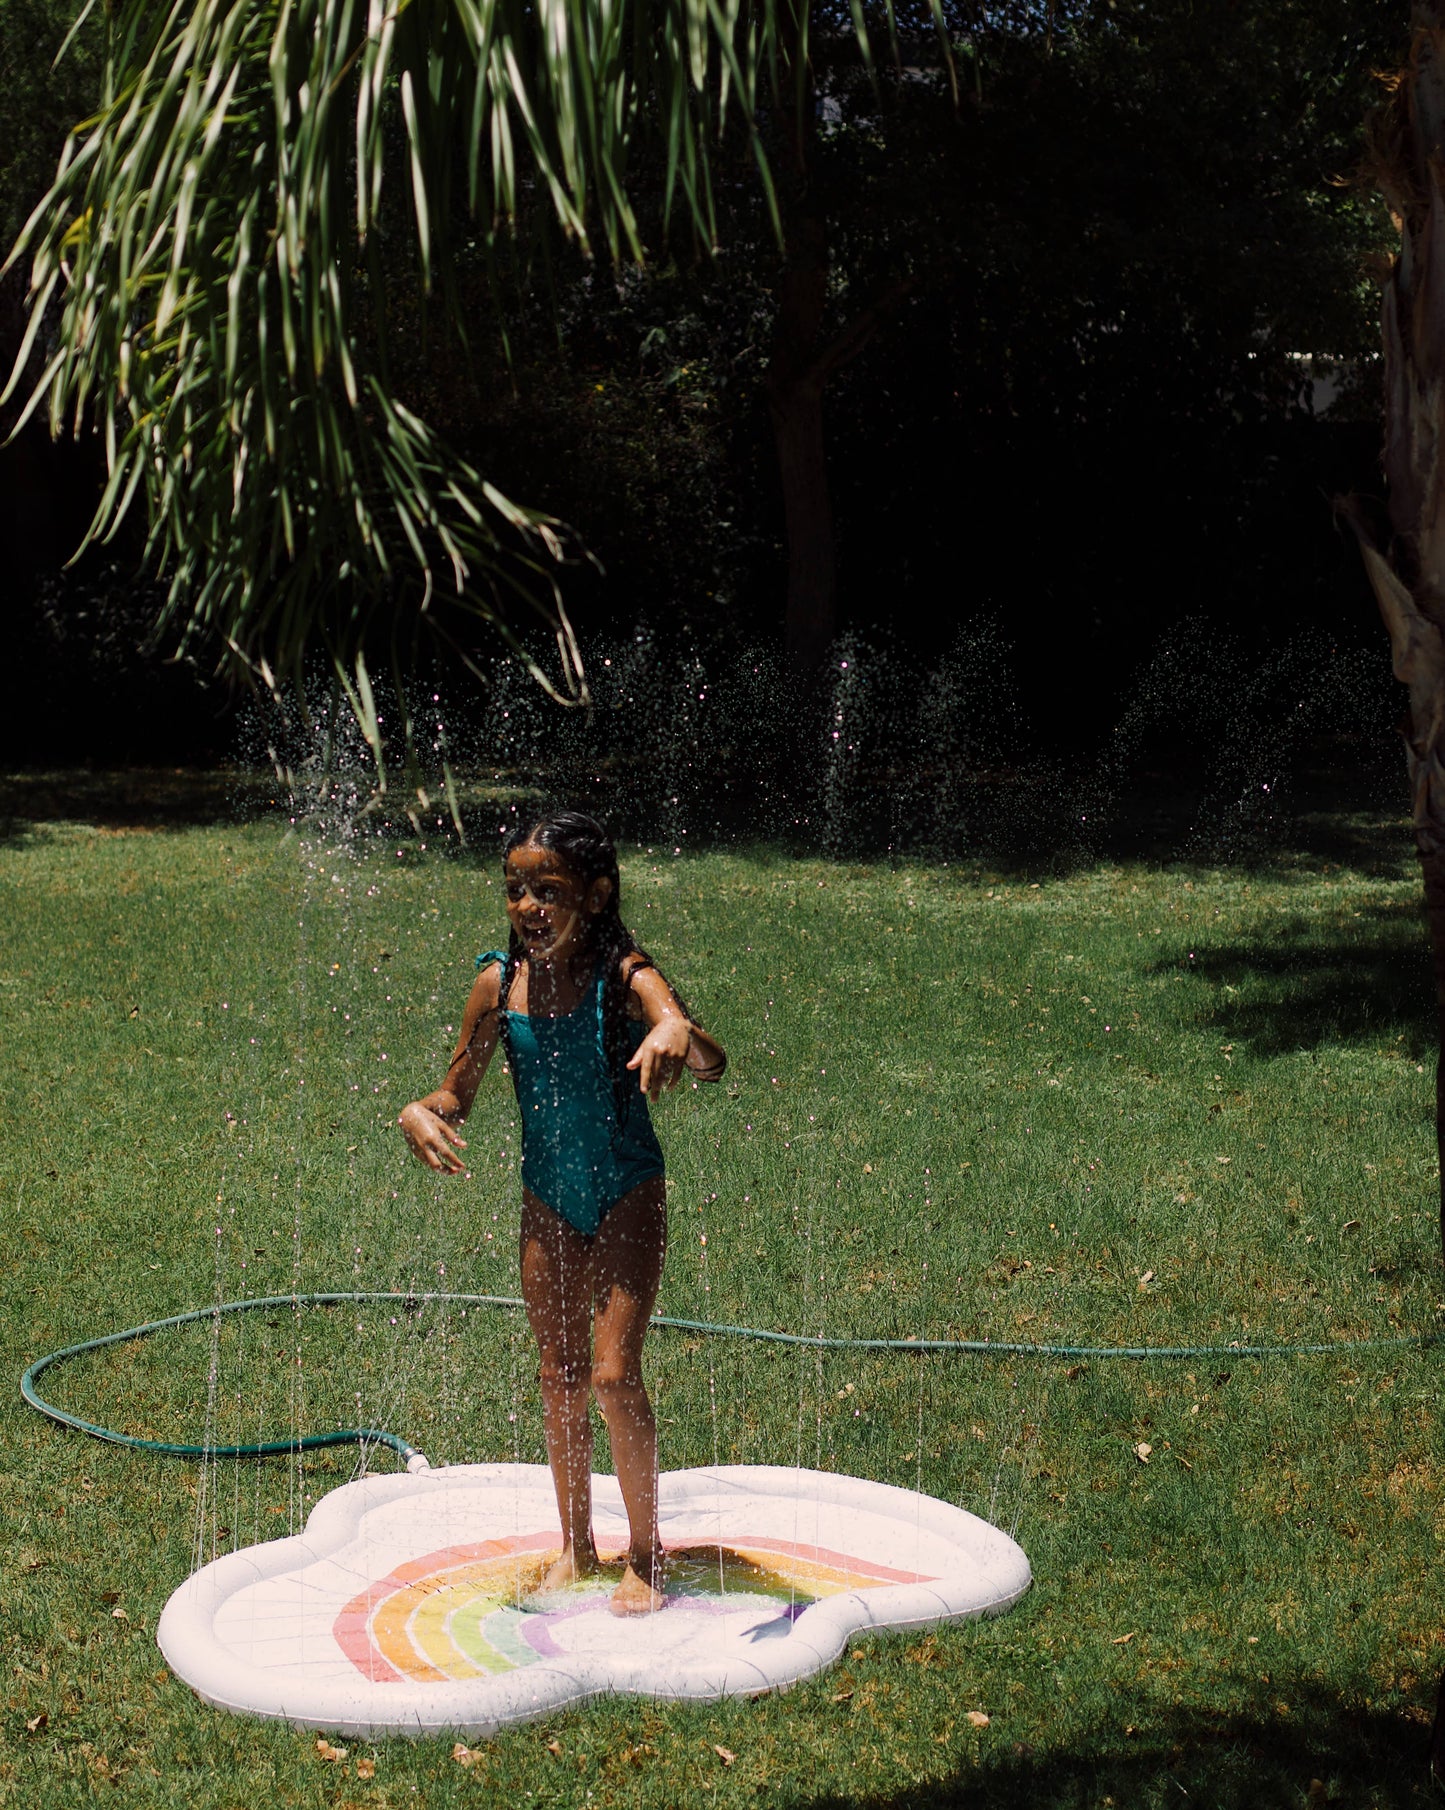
(34,1724)
(555,1749)
(841,1696)
(366,1769)
(119,1614)
(328,1752)
(1184,1461)
(978,1718)
(726,1755)
(1142,1451)
(1146,1279)
(1122,1640)
(1317,1791)
(1350,1225)
(463,1755)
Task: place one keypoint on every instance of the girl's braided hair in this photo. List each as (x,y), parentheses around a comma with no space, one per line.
(587,852)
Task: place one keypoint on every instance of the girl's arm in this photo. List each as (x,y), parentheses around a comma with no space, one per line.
(430,1125)
(673,1043)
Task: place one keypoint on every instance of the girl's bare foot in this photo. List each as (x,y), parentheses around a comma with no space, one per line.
(570,1566)
(636,1595)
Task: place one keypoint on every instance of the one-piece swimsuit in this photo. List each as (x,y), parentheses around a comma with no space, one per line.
(581,1152)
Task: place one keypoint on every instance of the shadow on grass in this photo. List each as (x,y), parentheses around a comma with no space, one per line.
(173,798)
(1324,1751)
(1375,843)
(1023,824)
(1307,987)
(141,798)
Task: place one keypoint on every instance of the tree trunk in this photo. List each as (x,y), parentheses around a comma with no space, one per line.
(794,388)
(1406,566)
(801,363)
(795,379)
(811,613)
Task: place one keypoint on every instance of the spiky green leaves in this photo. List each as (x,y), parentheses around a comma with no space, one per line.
(209,247)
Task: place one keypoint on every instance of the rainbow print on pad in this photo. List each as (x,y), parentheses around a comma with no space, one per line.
(410,1604)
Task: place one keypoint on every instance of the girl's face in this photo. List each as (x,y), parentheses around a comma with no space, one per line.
(548,906)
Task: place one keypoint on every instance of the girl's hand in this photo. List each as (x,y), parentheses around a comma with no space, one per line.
(431,1139)
(662,1055)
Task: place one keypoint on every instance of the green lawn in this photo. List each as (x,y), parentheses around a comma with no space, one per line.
(1129,1105)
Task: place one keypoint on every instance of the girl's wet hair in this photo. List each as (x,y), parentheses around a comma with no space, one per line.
(579,842)
(588,853)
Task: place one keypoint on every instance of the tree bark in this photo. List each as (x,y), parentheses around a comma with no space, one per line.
(1406,566)
(793,384)
(794,388)
(802,362)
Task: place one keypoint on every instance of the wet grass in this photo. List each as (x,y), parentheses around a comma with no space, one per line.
(1141,1104)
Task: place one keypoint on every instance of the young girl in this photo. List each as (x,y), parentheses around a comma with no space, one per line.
(592,1032)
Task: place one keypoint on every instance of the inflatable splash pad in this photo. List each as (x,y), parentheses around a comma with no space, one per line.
(408,1605)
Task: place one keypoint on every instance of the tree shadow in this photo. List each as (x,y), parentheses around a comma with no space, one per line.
(1365,841)
(1020,824)
(1307,986)
(1327,1749)
(137,798)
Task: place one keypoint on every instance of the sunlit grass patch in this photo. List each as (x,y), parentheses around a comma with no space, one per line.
(1138,1106)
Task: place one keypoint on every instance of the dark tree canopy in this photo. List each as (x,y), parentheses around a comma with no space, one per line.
(1085,281)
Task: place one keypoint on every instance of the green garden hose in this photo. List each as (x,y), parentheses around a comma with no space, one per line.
(415,1460)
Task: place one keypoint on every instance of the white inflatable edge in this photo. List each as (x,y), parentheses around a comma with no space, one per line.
(357,1708)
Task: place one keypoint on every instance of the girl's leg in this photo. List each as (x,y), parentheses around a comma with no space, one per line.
(627,1258)
(557,1265)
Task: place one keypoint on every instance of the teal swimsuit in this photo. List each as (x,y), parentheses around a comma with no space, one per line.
(579,1155)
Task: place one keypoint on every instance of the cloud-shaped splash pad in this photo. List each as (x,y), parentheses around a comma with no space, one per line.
(407,1606)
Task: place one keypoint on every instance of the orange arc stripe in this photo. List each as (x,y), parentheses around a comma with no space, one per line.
(352,1629)
(373,1628)
(868,1570)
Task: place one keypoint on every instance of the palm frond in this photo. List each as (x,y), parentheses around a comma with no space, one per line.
(209,242)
